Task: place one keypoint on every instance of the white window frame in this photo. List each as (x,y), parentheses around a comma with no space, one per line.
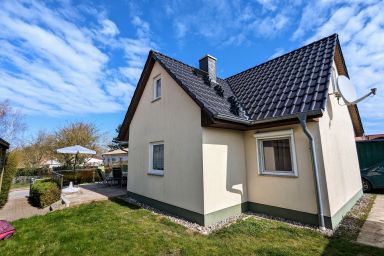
(283,134)
(155,79)
(152,171)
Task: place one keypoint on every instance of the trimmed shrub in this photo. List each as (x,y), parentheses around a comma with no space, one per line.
(9,172)
(44,192)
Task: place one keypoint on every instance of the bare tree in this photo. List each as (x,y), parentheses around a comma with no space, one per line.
(77,133)
(40,150)
(12,125)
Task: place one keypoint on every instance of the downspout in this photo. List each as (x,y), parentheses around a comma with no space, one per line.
(303,122)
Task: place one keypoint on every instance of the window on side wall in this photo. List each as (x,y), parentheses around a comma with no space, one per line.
(156,158)
(276,153)
(156,88)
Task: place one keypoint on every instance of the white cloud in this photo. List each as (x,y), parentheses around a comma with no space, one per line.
(109,28)
(278,52)
(53,63)
(228,22)
(269,5)
(270,26)
(360,25)
(181,29)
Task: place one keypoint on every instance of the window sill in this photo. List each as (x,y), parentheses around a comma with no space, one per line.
(156,172)
(157,99)
(277,174)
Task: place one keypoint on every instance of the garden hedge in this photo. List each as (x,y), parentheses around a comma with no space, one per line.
(81,176)
(41,171)
(44,193)
(9,172)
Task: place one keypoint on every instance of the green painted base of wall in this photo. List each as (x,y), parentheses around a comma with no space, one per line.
(211,218)
(338,216)
(178,211)
(303,217)
(214,217)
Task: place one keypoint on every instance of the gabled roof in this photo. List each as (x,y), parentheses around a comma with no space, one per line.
(197,84)
(4,144)
(119,151)
(293,83)
(296,82)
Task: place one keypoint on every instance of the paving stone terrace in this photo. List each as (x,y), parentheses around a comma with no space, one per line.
(18,206)
(372,232)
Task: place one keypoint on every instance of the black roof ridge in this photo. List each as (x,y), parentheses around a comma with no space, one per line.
(281,56)
(179,61)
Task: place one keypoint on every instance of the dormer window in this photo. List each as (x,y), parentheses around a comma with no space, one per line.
(156,88)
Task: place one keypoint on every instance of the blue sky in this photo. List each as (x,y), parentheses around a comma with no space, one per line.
(80,60)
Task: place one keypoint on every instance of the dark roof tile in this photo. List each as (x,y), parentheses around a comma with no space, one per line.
(292,83)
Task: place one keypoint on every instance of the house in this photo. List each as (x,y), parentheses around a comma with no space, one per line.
(4,146)
(117,157)
(93,161)
(51,163)
(370,137)
(272,139)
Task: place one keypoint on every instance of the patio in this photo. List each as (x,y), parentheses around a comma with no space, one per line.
(93,192)
(18,206)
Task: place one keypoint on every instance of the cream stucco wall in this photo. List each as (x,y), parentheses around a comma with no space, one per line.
(224,169)
(295,193)
(174,119)
(340,155)
(209,169)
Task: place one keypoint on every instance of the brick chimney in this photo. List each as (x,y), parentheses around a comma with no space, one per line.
(208,64)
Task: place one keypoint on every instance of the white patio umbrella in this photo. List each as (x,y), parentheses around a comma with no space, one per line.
(76,150)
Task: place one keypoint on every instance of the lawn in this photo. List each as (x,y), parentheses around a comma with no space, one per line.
(20,185)
(116,228)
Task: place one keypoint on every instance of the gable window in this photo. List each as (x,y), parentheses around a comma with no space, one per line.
(276,153)
(157,88)
(156,158)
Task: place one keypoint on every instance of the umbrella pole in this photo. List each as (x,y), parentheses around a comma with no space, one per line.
(74,169)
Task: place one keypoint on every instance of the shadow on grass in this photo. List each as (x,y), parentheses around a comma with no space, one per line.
(343,242)
(121,202)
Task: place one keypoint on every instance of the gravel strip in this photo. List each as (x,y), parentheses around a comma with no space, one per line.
(190,225)
(351,224)
(348,223)
(292,223)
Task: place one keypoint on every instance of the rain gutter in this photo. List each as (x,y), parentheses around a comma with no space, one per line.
(303,122)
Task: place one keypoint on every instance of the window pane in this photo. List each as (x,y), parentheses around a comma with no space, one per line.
(158,88)
(158,157)
(277,155)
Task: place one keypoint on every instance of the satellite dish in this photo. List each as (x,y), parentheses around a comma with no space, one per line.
(347,91)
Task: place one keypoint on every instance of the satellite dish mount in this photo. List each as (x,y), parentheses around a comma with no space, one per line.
(346,90)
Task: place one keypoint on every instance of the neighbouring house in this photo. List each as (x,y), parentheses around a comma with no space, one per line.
(370,137)
(4,146)
(51,163)
(93,161)
(272,139)
(117,157)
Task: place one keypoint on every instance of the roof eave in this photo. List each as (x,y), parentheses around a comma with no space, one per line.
(313,113)
(4,143)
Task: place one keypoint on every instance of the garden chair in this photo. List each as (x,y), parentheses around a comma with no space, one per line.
(105,180)
(117,174)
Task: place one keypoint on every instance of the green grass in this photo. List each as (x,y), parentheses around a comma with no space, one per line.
(20,185)
(116,228)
